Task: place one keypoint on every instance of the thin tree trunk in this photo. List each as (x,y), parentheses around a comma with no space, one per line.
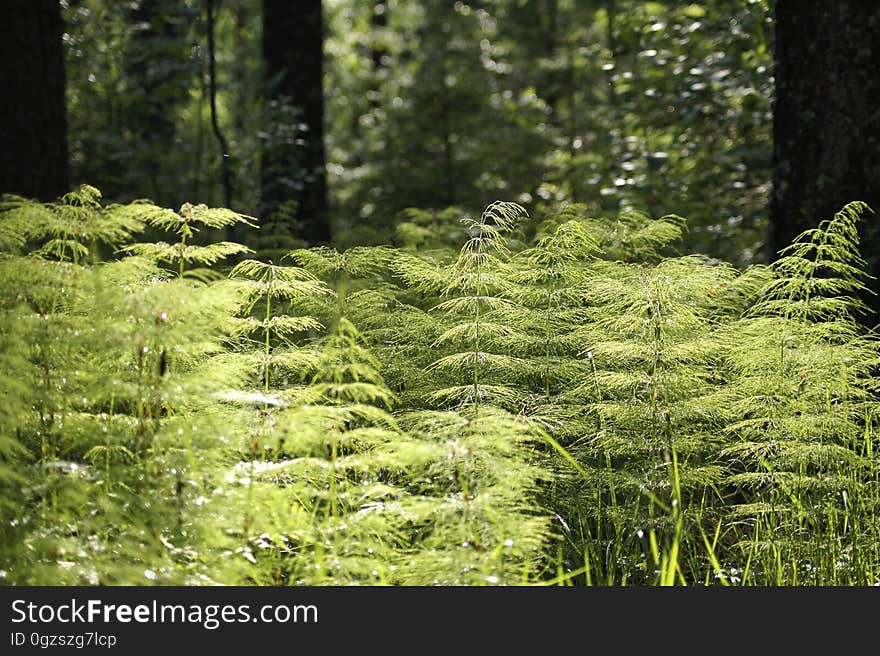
(215,122)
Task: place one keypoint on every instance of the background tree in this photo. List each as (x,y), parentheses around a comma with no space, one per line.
(33,150)
(293,178)
(662,106)
(210,14)
(826,126)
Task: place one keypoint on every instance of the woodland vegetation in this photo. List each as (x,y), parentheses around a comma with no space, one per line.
(503,292)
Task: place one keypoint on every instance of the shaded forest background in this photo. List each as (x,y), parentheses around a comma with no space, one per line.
(660,106)
(332,121)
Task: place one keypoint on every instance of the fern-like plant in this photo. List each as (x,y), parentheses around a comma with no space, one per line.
(803,393)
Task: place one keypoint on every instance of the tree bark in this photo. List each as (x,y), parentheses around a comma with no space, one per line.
(826,126)
(293,57)
(33,116)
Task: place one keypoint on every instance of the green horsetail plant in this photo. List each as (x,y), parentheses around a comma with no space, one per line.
(456,522)
(40,324)
(491,526)
(418,503)
(472,286)
(153,408)
(633,236)
(549,281)
(578,408)
(345,272)
(819,276)
(474,501)
(430,231)
(268,291)
(397,331)
(804,392)
(330,502)
(35,301)
(184,225)
(70,232)
(18,216)
(37,295)
(549,288)
(74,227)
(649,381)
(396,320)
(366,296)
(267,339)
(117,353)
(17,391)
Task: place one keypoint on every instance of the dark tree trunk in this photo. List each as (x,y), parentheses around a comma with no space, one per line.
(293,55)
(33,117)
(826,126)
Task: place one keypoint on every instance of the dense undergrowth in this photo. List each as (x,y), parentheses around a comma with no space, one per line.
(552,400)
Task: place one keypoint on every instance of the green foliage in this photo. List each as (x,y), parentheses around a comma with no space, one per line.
(74,227)
(564,402)
(804,401)
(571,398)
(183,226)
(618,105)
(656,104)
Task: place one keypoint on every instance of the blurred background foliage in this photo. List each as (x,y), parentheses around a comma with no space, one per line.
(615,104)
